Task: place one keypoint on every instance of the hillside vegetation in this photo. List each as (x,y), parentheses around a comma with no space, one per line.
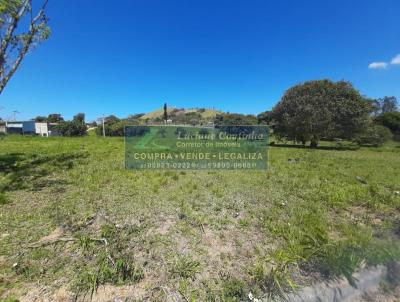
(205,113)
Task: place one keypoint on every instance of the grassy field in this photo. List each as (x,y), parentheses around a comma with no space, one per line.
(72,219)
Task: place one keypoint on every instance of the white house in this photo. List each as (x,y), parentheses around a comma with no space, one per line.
(3,128)
(31,128)
(41,129)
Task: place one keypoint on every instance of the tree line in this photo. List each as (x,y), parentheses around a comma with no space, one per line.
(306,114)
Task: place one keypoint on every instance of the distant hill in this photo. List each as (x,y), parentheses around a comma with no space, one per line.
(205,113)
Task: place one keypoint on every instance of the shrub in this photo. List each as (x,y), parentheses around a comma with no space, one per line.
(118,128)
(115,127)
(230,119)
(390,120)
(3,198)
(72,128)
(375,135)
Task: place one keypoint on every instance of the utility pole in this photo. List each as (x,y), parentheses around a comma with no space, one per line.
(15,112)
(104,129)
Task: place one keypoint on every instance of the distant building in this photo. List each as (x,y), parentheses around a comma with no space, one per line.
(41,129)
(21,127)
(3,128)
(30,128)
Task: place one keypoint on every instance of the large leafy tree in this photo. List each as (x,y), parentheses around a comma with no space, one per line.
(320,109)
(22,27)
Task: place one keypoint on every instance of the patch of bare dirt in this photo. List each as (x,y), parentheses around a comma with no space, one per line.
(166,223)
(105,293)
(215,246)
(110,293)
(53,236)
(381,297)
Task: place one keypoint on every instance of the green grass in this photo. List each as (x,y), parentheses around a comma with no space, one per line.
(204,235)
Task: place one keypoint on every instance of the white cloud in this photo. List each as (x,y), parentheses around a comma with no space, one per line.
(396,60)
(378,65)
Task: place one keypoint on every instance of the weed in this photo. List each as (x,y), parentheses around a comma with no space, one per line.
(10,300)
(106,270)
(184,267)
(187,290)
(232,290)
(4,199)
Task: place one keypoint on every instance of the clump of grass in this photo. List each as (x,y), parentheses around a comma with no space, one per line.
(10,299)
(232,290)
(188,291)
(106,271)
(308,246)
(337,259)
(111,264)
(184,267)
(4,199)
(274,272)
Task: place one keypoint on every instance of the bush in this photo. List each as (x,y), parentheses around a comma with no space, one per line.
(234,119)
(3,198)
(114,128)
(72,128)
(375,135)
(390,120)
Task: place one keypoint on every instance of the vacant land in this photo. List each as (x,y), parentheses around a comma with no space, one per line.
(73,221)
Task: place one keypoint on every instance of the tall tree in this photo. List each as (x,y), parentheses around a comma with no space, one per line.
(165,112)
(15,44)
(388,104)
(384,105)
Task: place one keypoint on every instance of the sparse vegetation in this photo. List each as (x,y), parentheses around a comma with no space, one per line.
(75,216)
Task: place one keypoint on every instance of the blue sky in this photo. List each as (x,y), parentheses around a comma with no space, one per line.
(130,56)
